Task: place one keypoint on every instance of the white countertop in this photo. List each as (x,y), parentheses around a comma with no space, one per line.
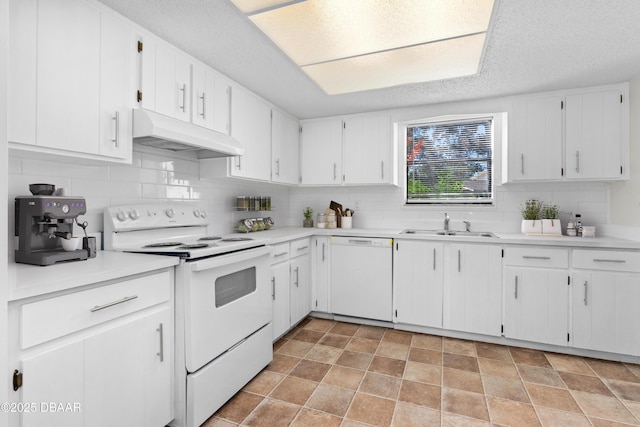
(31,280)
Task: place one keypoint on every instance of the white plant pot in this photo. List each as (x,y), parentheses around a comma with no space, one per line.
(531,226)
(551,227)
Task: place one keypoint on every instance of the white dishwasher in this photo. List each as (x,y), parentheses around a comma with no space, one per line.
(361,277)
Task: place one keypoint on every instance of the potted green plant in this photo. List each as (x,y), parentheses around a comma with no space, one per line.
(308,217)
(531,212)
(551,224)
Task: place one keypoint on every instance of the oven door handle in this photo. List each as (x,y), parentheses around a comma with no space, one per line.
(224,260)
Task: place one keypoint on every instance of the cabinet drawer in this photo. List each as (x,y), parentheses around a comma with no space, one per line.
(45,320)
(279,253)
(607,260)
(537,257)
(299,247)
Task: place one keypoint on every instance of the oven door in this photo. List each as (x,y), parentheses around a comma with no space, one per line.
(227,298)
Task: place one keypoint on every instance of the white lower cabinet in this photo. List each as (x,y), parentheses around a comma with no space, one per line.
(320,274)
(114,368)
(472,298)
(418,282)
(300,287)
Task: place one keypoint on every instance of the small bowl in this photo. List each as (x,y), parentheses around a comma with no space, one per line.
(71,244)
(42,189)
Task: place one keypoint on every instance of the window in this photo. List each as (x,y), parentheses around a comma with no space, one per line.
(450,161)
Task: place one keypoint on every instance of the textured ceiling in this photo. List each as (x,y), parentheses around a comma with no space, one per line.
(533,45)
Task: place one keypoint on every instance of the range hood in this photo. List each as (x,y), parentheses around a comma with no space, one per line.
(157,130)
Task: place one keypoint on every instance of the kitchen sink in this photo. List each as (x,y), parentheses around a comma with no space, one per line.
(449,233)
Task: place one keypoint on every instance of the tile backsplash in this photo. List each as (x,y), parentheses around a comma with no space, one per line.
(161,176)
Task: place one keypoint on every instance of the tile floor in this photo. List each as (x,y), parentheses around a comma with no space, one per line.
(327,373)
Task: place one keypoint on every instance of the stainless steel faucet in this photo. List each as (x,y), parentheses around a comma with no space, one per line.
(467,225)
(446,222)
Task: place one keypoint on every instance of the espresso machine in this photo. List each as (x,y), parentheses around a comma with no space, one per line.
(41,220)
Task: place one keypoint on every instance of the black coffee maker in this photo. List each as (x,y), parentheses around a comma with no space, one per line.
(41,220)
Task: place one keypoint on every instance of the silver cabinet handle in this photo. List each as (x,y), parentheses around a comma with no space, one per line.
(183,89)
(280,254)
(204,103)
(238,165)
(334,171)
(277,167)
(303,248)
(297,275)
(609,260)
(522,163)
(161,352)
(273,288)
(577,161)
(535,257)
(116,119)
(382,169)
(516,288)
(434,258)
(230,119)
(111,304)
(323,252)
(586,285)
(458,261)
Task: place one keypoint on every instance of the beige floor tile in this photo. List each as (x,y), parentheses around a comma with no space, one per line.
(393,350)
(423,355)
(352,423)
(332,340)
(398,337)
(455,420)
(625,390)
(598,422)
(264,383)
(354,359)
(529,357)
(363,345)
(308,335)
(585,383)
(550,417)
(457,361)
(505,388)
(535,374)
(429,342)
(462,380)
(344,377)
(310,370)
(612,370)
(239,407)
(453,345)
(370,332)
(323,353)
(388,366)
(272,413)
(312,418)
(331,399)
(294,390)
(552,397)
(493,351)
(511,413)
(217,422)
(423,372)
(322,325)
(380,385)
(472,405)
(372,410)
(605,407)
(498,367)
(574,364)
(295,348)
(410,415)
(347,329)
(420,394)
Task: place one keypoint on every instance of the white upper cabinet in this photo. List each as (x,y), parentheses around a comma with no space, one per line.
(368,150)
(535,139)
(284,148)
(173,83)
(69,80)
(581,134)
(211,99)
(321,152)
(596,135)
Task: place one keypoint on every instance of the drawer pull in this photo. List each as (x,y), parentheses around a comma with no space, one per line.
(161,352)
(516,288)
(585,292)
(111,304)
(536,257)
(303,248)
(609,260)
(434,258)
(280,254)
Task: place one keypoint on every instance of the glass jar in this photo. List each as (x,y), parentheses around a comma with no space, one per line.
(252,203)
(242,203)
(321,221)
(268,203)
(244,225)
(268,223)
(332,221)
(256,205)
(260,222)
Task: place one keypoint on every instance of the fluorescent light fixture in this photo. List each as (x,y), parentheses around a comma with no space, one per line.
(354,45)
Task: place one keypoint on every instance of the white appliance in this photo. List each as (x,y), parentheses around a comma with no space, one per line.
(361,277)
(223,305)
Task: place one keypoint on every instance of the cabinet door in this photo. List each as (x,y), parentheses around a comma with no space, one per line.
(158,374)
(473,291)
(284,148)
(320,274)
(535,140)
(417,282)
(114,376)
(321,152)
(55,376)
(68,75)
(536,305)
(173,83)
(300,288)
(221,104)
(210,100)
(368,150)
(115,109)
(605,313)
(280,293)
(594,135)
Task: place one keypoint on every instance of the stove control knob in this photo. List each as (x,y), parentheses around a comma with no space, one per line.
(170,213)
(134,214)
(196,213)
(121,216)
(203,213)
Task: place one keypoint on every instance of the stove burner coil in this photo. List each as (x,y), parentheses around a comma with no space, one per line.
(209,238)
(236,239)
(194,246)
(162,245)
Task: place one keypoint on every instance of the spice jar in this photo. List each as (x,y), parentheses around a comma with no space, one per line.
(260,222)
(268,223)
(244,225)
(242,203)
